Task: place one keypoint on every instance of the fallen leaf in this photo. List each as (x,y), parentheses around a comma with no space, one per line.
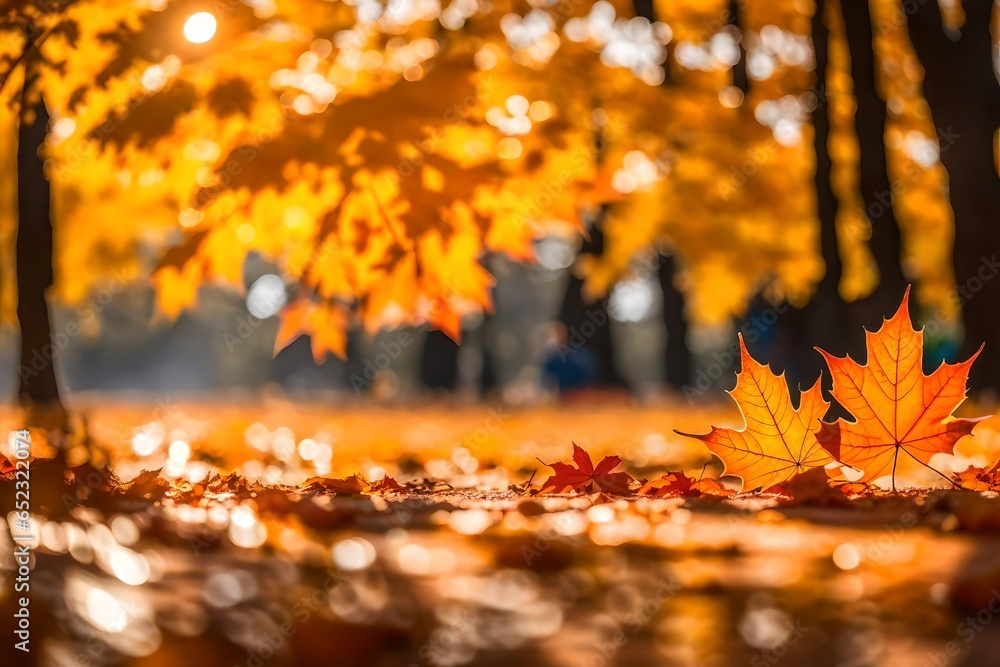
(353,485)
(975,478)
(712,487)
(896,407)
(584,476)
(384,485)
(671,485)
(812,488)
(778,440)
(678,484)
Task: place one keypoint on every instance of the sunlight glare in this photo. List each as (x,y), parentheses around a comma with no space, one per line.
(199,28)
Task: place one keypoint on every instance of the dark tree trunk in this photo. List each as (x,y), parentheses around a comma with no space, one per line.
(439,362)
(646,10)
(580,316)
(821,321)
(38,387)
(740,68)
(873,177)
(678,361)
(962,90)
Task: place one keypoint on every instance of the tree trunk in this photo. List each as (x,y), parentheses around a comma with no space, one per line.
(38,388)
(740,67)
(580,317)
(821,321)
(876,190)
(646,10)
(439,362)
(962,91)
(679,360)
(678,356)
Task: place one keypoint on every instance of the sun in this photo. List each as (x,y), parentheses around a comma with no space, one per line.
(199,28)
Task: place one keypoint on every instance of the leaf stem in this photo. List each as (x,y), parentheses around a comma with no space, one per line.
(950,480)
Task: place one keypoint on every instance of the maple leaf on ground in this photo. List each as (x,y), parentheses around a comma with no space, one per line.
(353,485)
(584,476)
(677,484)
(895,406)
(812,488)
(384,485)
(670,485)
(778,440)
(975,478)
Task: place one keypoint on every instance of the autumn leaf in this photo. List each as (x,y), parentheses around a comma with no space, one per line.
(778,440)
(353,485)
(585,477)
(677,484)
(895,406)
(325,323)
(671,485)
(5,466)
(384,485)
(812,488)
(975,478)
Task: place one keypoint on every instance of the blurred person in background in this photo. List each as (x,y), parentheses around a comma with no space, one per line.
(567,368)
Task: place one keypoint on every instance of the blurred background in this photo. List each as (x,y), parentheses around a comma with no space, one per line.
(595,195)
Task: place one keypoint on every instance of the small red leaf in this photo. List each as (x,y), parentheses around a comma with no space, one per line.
(585,477)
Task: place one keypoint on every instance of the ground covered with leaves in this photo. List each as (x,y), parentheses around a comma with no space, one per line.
(280,534)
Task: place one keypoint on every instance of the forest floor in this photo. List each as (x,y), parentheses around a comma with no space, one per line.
(235,534)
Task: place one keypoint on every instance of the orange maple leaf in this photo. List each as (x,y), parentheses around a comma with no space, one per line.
(896,407)
(975,478)
(778,440)
(585,476)
(324,322)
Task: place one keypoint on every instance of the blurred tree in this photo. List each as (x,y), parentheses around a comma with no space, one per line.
(585,317)
(678,358)
(376,151)
(960,83)
(37,386)
(873,176)
(820,321)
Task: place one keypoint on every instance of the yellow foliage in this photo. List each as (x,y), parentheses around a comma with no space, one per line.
(376,161)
